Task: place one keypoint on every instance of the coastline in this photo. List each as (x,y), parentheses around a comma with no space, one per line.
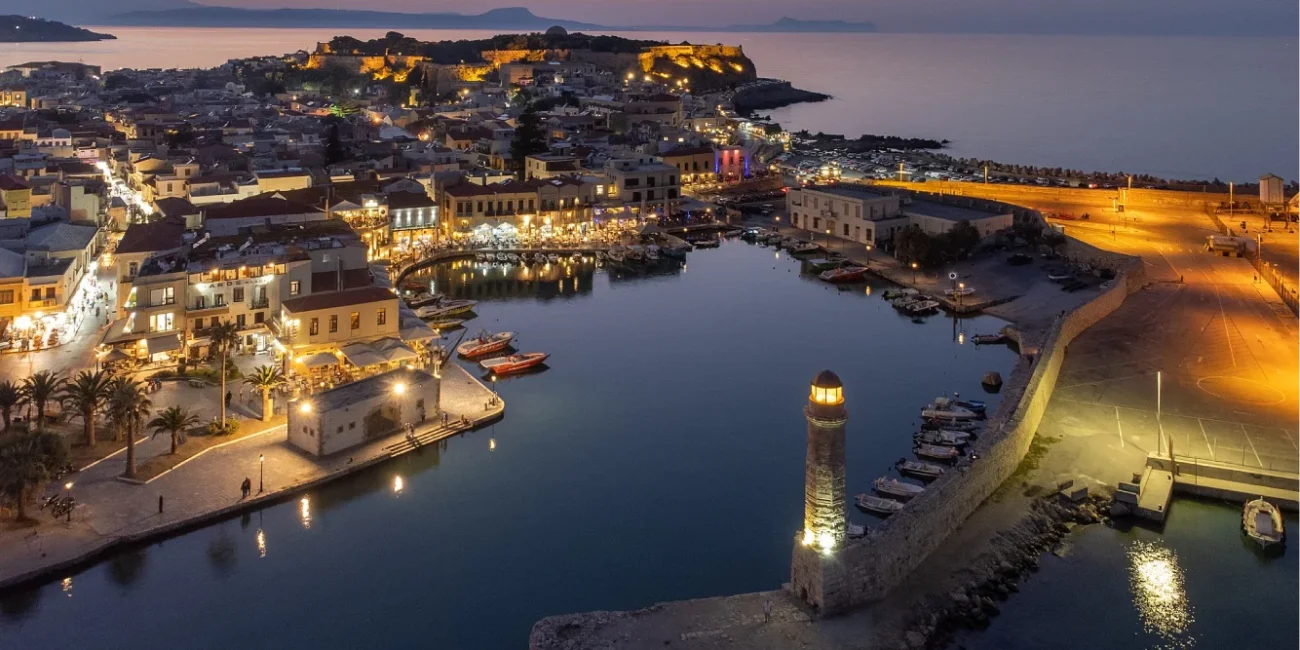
(29,571)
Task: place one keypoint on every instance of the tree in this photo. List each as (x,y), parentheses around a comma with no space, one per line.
(127,408)
(224,337)
(39,389)
(264,379)
(334,151)
(11,396)
(1029,230)
(174,420)
(913,245)
(27,461)
(86,395)
(529,138)
(963,238)
(1054,240)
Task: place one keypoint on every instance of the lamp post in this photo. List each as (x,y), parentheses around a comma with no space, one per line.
(68,489)
(494,388)
(961,292)
(914,267)
(1160,428)
(261,472)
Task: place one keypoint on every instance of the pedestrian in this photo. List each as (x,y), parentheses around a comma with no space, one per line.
(246,487)
(767,610)
(229,396)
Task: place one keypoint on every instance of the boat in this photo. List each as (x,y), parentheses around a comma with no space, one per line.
(423,298)
(479,257)
(445,323)
(600,256)
(502,257)
(918,468)
(805,248)
(575,256)
(1059,277)
(975,405)
(943,437)
(750,234)
(708,242)
(1262,522)
(878,505)
(674,253)
(445,308)
(844,274)
(921,306)
(936,452)
(960,291)
(935,424)
(942,408)
(553,258)
(514,363)
(854,531)
(770,238)
(788,243)
(512,257)
(635,254)
(896,488)
(652,253)
(616,256)
(895,294)
(987,339)
(485,343)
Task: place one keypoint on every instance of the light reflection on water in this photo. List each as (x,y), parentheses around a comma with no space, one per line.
(1159,595)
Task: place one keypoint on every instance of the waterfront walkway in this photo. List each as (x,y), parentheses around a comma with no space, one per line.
(111,511)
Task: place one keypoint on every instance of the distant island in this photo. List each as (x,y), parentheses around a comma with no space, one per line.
(21,29)
(506,18)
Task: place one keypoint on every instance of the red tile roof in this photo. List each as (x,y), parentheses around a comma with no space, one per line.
(150,237)
(332,299)
(259,207)
(10,182)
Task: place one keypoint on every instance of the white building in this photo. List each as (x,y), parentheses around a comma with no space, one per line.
(363,411)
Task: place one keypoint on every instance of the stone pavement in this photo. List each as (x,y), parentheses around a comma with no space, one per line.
(207,487)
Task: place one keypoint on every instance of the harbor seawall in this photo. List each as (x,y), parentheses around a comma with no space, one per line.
(869,568)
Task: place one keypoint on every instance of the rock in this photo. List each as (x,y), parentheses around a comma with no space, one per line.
(1006,568)
(1070,526)
(914,639)
(959,598)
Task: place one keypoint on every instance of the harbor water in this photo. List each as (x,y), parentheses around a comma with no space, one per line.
(659,457)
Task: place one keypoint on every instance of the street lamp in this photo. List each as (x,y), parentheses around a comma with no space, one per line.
(68,487)
(399,388)
(261,472)
(494,388)
(914,267)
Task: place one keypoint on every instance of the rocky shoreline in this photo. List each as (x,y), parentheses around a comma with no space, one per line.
(996,574)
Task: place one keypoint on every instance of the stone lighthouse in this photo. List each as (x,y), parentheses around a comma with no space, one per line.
(816,575)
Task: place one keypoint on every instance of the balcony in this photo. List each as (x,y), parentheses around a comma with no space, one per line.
(263,303)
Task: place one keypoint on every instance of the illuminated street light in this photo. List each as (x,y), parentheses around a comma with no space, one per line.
(261,472)
(399,388)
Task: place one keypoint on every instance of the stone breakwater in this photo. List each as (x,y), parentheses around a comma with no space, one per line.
(995,574)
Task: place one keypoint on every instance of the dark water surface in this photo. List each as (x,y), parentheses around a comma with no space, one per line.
(659,457)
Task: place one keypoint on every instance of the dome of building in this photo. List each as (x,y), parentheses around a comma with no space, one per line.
(826,389)
(827,379)
(556,30)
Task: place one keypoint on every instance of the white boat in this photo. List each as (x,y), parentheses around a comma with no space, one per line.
(895,294)
(942,408)
(485,343)
(480,257)
(855,531)
(896,488)
(936,452)
(878,505)
(943,437)
(709,242)
(600,256)
(987,339)
(805,248)
(918,468)
(921,306)
(615,256)
(512,257)
(502,257)
(961,291)
(445,308)
(553,258)
(1262,522)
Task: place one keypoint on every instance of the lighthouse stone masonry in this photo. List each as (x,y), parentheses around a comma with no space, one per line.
(817,576)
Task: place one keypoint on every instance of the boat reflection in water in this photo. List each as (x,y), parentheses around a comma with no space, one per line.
(568,277)
(1159,594)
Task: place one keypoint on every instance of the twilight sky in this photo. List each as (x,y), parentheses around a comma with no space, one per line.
(1218,17)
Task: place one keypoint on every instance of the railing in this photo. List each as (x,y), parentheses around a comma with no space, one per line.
(1268,271)
(260,304)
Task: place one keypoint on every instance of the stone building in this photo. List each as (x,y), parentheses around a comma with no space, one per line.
(363,411)
(816,575)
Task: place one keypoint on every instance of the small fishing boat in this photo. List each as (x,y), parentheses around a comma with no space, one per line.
(788,243)
(896,488)
(485,343)
(445,323)
(936,452)
(1262,522)
(942,408)
(978,406)
(708,242)
(805,248)
(445,309)
(854,531)
(960,291)
(949,425)
(575,256)
(553,258)
(600,256)
(502,257)
(616,256)
(514,363)
(1059,277)
(635,254)
(652,254)
(423,298)
(918,468)
(878,505)
(512,257)
(943,437)
(480,257)
(987,339)
(844,274)
(895,294)
(771,238)
(918,307)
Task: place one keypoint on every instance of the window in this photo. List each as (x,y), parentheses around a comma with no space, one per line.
(334,323)
(356,320)
(49,293)
(352,425)
(846,230)
(131,269)
(381,317)
(672,180)
(672,194)
(636,197)
(7,297)
(164,296)
(295,287)
(650,195)
(239,321)
(258,318)
(817,222)
(239,295)
(219,300)
(313,327)
(212,322)
(160,322)
(36,294)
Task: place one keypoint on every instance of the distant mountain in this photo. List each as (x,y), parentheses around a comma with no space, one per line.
(20,29)
(86,12)
(793,25)
(504,18)
(507,18)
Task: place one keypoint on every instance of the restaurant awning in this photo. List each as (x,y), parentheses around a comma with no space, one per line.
(318,359)
(162,344)
(361,355)
(116,354)
(417,330)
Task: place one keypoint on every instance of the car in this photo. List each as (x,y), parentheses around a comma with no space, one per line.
(1019,259)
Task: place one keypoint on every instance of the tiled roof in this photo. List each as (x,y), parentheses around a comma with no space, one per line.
(10,182)
(61,237)
(149,237)
(332,299)
(259,207)
(402,200)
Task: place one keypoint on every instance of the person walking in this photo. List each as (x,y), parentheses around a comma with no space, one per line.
(767,611)
(246,487)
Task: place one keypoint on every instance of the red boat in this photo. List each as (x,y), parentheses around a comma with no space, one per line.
(514,363)
(485,343)
(844,274)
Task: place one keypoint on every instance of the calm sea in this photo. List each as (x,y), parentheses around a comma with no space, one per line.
(1183,107)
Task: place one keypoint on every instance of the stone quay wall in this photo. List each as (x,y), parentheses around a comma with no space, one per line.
(867,569)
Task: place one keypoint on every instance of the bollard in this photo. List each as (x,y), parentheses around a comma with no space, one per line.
(160,504)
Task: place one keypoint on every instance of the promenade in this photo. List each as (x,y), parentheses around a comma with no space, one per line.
(111,511)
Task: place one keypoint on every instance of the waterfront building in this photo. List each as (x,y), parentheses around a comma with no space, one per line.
(363,411)
(16,97)
(814,570)
(15,197)
(694,164)
(875,217)
(643,184)
(226,219)
(547,165)
(331,320)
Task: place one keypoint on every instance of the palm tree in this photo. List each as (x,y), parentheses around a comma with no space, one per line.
(26,462)
(39,389)
(173,420)
(86,395)
(264,379)
(11,396)
(224,337)
(128,405)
